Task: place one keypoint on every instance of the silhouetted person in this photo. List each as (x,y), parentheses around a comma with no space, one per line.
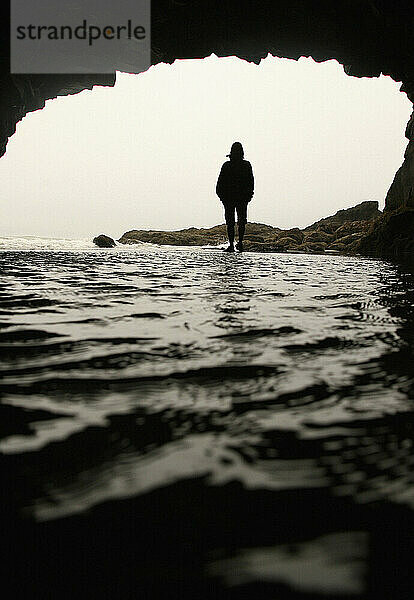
(235,187)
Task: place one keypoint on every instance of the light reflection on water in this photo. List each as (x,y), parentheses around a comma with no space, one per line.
(129,370)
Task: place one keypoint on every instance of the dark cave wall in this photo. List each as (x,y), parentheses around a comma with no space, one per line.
(401,193)
(20,94)
(368,37)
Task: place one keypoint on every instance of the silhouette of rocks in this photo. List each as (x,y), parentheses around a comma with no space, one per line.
(390,235)
(340,232)
(104,241)
(186,237)
(192,236)
(401,192)
(361,212)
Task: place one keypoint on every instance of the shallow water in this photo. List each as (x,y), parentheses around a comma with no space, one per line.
(248,416)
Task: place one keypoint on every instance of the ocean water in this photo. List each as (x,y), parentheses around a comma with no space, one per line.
(180,422)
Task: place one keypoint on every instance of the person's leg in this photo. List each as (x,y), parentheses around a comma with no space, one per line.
(242,229)
(230,221)
(230,234)
(241,223)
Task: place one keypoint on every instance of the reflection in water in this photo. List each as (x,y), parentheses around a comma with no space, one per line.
(242,424)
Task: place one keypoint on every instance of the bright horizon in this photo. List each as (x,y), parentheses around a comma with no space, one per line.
(146,154)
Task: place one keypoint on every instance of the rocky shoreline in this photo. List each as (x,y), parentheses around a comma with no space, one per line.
(362,229)
(342,232)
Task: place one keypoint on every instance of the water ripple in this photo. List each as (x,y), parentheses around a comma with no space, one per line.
(129,372)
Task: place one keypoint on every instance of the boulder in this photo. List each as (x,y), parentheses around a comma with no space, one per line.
(104,241)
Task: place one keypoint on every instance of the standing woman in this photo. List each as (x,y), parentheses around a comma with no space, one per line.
(235,187)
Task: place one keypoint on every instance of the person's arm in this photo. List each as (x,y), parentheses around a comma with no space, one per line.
(251,182)
(219,185)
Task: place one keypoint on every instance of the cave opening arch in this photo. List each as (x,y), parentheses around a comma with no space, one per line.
(368,37)
(300,125)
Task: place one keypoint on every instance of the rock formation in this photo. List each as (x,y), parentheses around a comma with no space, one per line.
(341,232)
(195,237)
(364,211)
(401,193)
(392,235)
(104,241)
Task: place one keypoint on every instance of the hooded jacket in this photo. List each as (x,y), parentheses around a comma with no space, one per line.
(235,181)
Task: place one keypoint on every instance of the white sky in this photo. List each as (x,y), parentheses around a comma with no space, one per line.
(146,154)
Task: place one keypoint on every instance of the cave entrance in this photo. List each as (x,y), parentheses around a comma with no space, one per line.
(146,153)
